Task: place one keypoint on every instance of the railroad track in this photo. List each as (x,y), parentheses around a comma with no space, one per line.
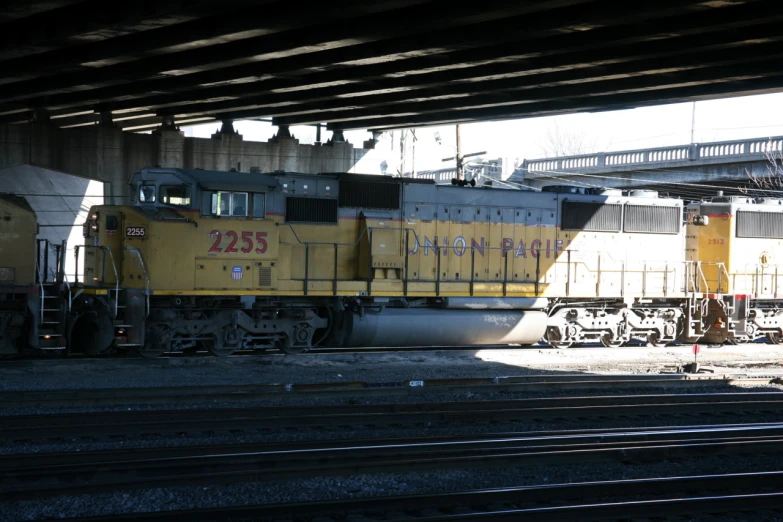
(73,473)
(373,416)
(337,351)
(747,494)
(352,389)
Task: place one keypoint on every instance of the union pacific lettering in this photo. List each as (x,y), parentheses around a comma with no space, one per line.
(459,247)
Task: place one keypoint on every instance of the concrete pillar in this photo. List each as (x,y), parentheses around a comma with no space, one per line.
(226,129)
(41,116)
(318,141)
(285,147)
(227,151)
(283,133)
(171,143)
(370,144)
(337,137)
(107,120)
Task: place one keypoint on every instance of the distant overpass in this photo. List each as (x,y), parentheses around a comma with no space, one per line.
(691,171)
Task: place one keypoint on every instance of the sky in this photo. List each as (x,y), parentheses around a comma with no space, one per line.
(530,138)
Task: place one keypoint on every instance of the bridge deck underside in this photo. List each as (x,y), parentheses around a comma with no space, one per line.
(375,65)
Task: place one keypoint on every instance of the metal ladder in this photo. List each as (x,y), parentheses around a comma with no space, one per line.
(53,307)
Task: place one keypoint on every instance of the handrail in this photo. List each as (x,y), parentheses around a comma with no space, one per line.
(136,251)
(703,278)
(720,265)
(68,286)
(40,284)
(65,278)
(116,278)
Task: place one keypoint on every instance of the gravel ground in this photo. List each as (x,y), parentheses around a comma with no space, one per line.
(373,368)
(359,432)
(365,485)
(369,367)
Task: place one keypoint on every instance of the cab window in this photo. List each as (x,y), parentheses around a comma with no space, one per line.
(232,204)
(258,205)
(178,195)
(147,194)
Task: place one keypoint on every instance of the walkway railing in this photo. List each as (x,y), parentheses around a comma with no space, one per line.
(754,148)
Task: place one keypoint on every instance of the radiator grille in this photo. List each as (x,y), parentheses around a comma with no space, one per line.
(369,194)
(264,276)
(760,224)
(591,216)
(310,210)
(648,218)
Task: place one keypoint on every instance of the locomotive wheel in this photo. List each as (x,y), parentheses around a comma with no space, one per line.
(655,340)
(609,342)
(557,342)
(219,348)
(775,338)
(285,345)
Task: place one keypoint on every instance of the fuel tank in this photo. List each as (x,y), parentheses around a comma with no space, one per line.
(423,326)
(493,303)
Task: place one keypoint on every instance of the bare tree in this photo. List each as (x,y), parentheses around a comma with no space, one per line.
(564,142)
(769,183)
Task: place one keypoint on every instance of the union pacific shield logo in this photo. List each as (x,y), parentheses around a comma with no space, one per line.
(236,273)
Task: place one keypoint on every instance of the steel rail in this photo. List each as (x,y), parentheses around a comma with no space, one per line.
(695,495)
(126,468)
(37,427)
(535,438)
(350,389)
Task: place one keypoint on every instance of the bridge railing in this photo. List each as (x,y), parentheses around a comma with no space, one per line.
(754,148)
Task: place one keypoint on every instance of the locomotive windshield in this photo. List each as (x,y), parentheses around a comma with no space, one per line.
(175,195)
(147,194)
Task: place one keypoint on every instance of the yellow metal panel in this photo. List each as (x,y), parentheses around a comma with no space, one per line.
(221,274)
(17,243)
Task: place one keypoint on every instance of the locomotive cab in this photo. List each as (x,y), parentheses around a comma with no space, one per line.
(18,282)
(737,240)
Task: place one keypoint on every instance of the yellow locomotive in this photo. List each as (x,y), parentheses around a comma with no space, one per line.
(18,290)
(737,241)
(233,261)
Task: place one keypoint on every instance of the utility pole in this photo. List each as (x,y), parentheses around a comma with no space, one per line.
(413,154)
(693,121)
(460,159)
(402,151)
(460,174)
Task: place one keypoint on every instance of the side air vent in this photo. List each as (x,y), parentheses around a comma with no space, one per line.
(597,217)
(654,219)
(760,224)
(265,276)
(310,210)
(369,194)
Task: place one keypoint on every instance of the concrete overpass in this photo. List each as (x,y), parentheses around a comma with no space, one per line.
(374,65)
(689,171)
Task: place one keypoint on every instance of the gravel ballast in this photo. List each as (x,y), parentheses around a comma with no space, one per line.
(372,368)
(369,367)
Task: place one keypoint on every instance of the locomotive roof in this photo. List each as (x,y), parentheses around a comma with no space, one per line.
(209,178)
(17,201)
(215,178)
